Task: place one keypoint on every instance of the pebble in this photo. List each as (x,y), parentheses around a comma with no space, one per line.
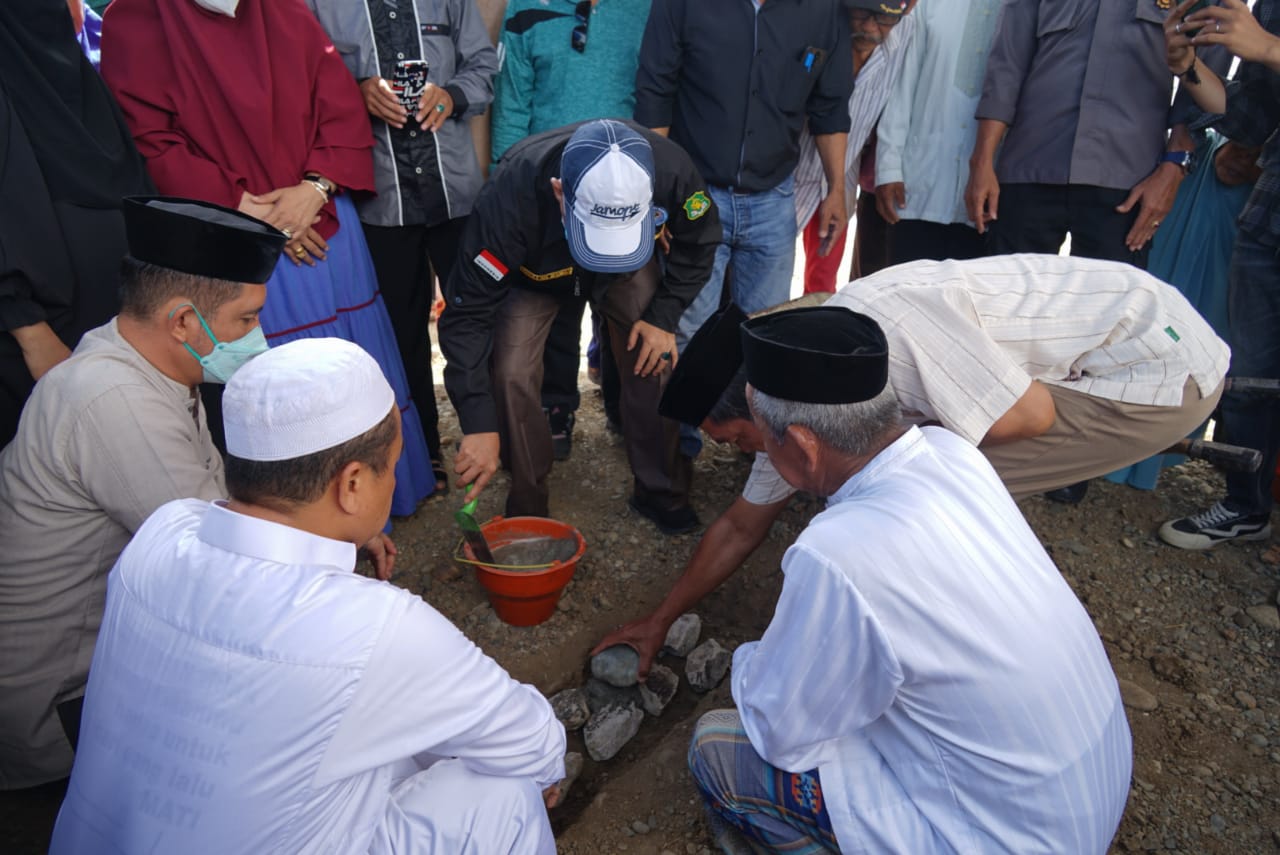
(570,706)
(1136,697)
(600,695)
(658,689)
(618,666)
(706,666)
(1266,616)
(610,729)
(1246,700)
(640,827)
(682,637)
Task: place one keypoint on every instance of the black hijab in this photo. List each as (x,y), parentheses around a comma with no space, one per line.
(80,139)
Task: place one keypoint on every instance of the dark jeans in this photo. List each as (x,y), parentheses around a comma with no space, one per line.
(403,259)
(1253,309)
(1038,217)
(521,328)
(914,240)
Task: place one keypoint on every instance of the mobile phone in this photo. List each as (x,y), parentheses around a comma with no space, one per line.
(1196,7)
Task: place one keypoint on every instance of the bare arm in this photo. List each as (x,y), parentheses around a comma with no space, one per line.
(728,542)
(982,195)
(1032,415)
(832,213)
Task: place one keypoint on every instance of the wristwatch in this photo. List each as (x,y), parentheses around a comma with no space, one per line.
(1181,157)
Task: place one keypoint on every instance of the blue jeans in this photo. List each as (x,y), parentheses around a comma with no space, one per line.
(759,248)
(1253,309)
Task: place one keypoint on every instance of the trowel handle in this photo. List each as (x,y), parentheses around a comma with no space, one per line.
(470,507)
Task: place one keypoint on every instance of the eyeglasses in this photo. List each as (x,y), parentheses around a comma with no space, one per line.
(857,17)
(581,14)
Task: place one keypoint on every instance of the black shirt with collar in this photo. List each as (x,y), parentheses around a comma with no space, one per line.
(735,83)
(515,238)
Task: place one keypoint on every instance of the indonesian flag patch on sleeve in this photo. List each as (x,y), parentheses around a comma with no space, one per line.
(489,263)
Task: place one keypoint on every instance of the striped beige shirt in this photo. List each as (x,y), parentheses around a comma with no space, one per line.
(966,338)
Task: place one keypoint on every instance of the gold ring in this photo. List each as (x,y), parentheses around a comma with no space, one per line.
(300,252)
(1155,224)
(288,233)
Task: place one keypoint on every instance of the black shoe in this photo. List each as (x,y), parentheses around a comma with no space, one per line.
(1216,525)
(670,521)
(561,422)
(1071,495)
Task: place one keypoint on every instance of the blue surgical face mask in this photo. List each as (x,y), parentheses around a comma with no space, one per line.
(226,356)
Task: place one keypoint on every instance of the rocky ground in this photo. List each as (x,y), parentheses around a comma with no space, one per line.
(1191,635)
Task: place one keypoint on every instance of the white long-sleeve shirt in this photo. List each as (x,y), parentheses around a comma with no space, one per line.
(927,130)
(928,658)
(251,694)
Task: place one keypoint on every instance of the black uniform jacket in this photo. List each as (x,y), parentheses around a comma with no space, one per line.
(515,238)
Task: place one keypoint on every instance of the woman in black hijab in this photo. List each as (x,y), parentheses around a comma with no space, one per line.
(66,161)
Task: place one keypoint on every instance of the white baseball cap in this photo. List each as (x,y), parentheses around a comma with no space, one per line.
(607,175)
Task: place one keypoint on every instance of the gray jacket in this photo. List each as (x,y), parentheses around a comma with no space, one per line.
(456,43)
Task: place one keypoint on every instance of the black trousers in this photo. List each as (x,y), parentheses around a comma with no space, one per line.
(913,240)
(404,258)
(1038,217)
(563,355)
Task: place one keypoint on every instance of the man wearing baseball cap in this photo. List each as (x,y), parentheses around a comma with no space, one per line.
(604,210)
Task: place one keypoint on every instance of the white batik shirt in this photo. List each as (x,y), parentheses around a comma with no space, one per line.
(928,659)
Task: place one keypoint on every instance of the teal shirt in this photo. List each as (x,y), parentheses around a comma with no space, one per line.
(543,83)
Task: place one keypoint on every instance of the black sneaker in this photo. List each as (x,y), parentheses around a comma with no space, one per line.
(561,422)
(669,521)
(1213,526)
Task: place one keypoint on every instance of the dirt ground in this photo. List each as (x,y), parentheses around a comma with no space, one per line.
(1182,626)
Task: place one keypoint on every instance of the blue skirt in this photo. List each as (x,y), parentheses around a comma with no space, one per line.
(339,298)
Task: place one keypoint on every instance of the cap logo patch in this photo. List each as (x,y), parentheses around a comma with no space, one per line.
(615,212)
(489,263)
(697,205)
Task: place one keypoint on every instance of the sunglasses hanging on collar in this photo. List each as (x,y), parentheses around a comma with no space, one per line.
(582,15)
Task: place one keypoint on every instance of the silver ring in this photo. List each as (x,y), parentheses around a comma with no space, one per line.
(1217,26)
(666,356)
(439,108)
(1177,28)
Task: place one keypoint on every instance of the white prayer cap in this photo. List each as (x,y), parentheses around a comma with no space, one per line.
(303,397)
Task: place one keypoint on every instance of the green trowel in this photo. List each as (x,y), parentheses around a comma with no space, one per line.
(466,519)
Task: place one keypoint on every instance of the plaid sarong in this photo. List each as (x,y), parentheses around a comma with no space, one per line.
(769,809)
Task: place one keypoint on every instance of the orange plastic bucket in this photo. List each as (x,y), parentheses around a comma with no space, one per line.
(526,597)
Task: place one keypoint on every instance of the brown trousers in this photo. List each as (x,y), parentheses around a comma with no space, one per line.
(662,474)
(1092,436)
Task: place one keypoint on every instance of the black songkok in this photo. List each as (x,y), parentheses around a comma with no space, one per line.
(201,239)
(821,355)
(708,363)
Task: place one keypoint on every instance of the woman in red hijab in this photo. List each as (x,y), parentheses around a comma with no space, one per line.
(246,103)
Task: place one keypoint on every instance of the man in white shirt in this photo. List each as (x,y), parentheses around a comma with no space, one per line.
(1059,369)
(972,708)
(928,129)
(107,437)
(250,693)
